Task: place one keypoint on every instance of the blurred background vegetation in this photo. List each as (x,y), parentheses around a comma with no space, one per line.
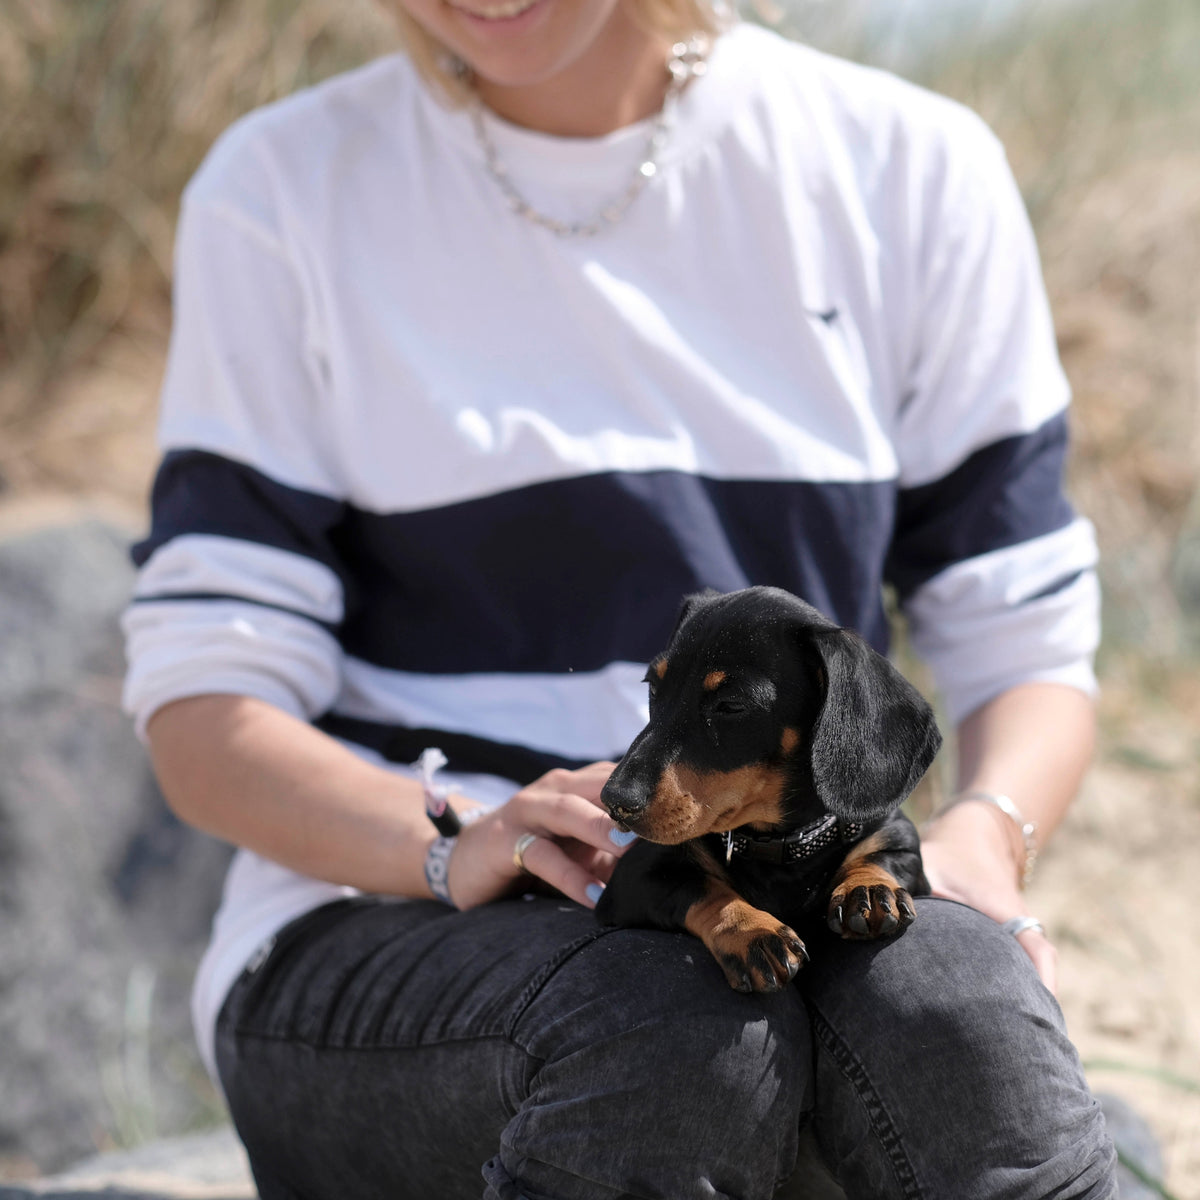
(107,106)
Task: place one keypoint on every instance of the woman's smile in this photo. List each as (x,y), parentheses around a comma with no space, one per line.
(497,12)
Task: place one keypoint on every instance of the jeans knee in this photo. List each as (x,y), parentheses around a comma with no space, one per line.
(954,997)
(640,1040)
(744,1062)
(655,1007)
(959,996)
(944,1052)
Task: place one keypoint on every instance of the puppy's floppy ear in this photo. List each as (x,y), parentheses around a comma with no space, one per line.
(875,735)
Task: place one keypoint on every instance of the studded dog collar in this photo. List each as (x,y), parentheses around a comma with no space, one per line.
(792,847)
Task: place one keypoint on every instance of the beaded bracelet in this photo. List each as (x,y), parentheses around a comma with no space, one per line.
(437,868)
(1009,809)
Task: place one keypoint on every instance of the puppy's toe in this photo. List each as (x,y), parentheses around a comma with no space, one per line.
(870,911)
(775,958)
(765,961)
(860,920)
(737,973)
(884,920)
(835,917)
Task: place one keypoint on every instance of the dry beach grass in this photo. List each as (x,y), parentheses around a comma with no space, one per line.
(106,108)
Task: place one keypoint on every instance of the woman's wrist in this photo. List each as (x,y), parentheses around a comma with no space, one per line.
(973,853)
(1020,834)
(440,848)
(437,868)
(982,826)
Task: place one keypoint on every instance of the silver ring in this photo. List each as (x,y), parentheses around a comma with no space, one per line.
(523,843)
(1021,924)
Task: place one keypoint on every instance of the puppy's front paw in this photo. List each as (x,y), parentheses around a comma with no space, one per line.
(755,950)
(868,903)
(760,960)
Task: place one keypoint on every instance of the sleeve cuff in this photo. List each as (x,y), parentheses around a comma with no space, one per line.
(178,649)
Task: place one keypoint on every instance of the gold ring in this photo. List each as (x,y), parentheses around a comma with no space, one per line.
(523,843)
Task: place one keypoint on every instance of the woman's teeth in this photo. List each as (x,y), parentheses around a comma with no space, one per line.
(498,12)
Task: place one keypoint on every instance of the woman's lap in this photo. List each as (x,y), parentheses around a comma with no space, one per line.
(943,1068)
(400,1049)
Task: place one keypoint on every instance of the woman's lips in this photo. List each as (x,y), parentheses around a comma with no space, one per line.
(505,11)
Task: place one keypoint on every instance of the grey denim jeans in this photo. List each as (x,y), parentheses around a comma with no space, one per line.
(519,1050)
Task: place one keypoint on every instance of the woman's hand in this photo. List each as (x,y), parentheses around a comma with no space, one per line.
(1032,742)
(575,849)
(970,855)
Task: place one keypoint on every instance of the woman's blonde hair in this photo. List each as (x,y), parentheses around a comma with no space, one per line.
(672,19)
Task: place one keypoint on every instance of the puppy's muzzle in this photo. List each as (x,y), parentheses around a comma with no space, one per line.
(625,801)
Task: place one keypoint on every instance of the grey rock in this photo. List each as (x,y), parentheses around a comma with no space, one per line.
(209,1166)
(1140,1166)
(105,898)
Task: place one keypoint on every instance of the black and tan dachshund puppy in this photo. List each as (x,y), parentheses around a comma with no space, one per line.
(766,787)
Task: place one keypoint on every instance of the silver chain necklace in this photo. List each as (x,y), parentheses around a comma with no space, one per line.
(688,60)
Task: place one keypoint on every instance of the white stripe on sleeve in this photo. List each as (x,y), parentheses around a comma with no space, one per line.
(1027,613)
(186,648)
(198,563)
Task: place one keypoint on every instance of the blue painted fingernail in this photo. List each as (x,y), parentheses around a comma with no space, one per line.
(594,891)
(622,837)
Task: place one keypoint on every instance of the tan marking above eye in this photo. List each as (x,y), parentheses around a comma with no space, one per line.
(713,680)
(789,741)
(659,667)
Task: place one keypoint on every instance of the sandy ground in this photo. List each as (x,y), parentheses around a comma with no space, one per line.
(1112,889)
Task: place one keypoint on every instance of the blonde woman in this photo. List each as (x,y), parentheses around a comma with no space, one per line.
(483,358)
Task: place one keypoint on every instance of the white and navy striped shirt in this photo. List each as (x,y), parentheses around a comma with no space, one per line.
(434,475)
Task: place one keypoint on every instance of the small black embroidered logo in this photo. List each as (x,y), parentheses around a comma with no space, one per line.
(828,315)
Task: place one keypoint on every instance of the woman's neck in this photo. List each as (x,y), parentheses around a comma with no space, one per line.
(620,79)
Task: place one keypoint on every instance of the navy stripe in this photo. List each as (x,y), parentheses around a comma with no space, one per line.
(1005,493)
(199,492)
(464,752)
(566,575)
(224,597)
(1052,589)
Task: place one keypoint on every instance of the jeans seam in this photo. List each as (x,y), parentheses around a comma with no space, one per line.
(881,1122)
(546,973)
(534,1062)
(295,1039)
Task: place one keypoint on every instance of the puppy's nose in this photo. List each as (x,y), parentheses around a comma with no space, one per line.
(625,801)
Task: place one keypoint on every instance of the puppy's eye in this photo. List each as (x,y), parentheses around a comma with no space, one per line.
(728,708)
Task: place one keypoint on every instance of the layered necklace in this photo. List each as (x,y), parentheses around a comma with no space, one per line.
(688,60)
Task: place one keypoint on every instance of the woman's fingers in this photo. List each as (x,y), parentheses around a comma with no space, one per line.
(1045,958)
(598,863)
(577,845)
(550,862)
(574,848)
(578,842)
(587,782)
(567,804)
